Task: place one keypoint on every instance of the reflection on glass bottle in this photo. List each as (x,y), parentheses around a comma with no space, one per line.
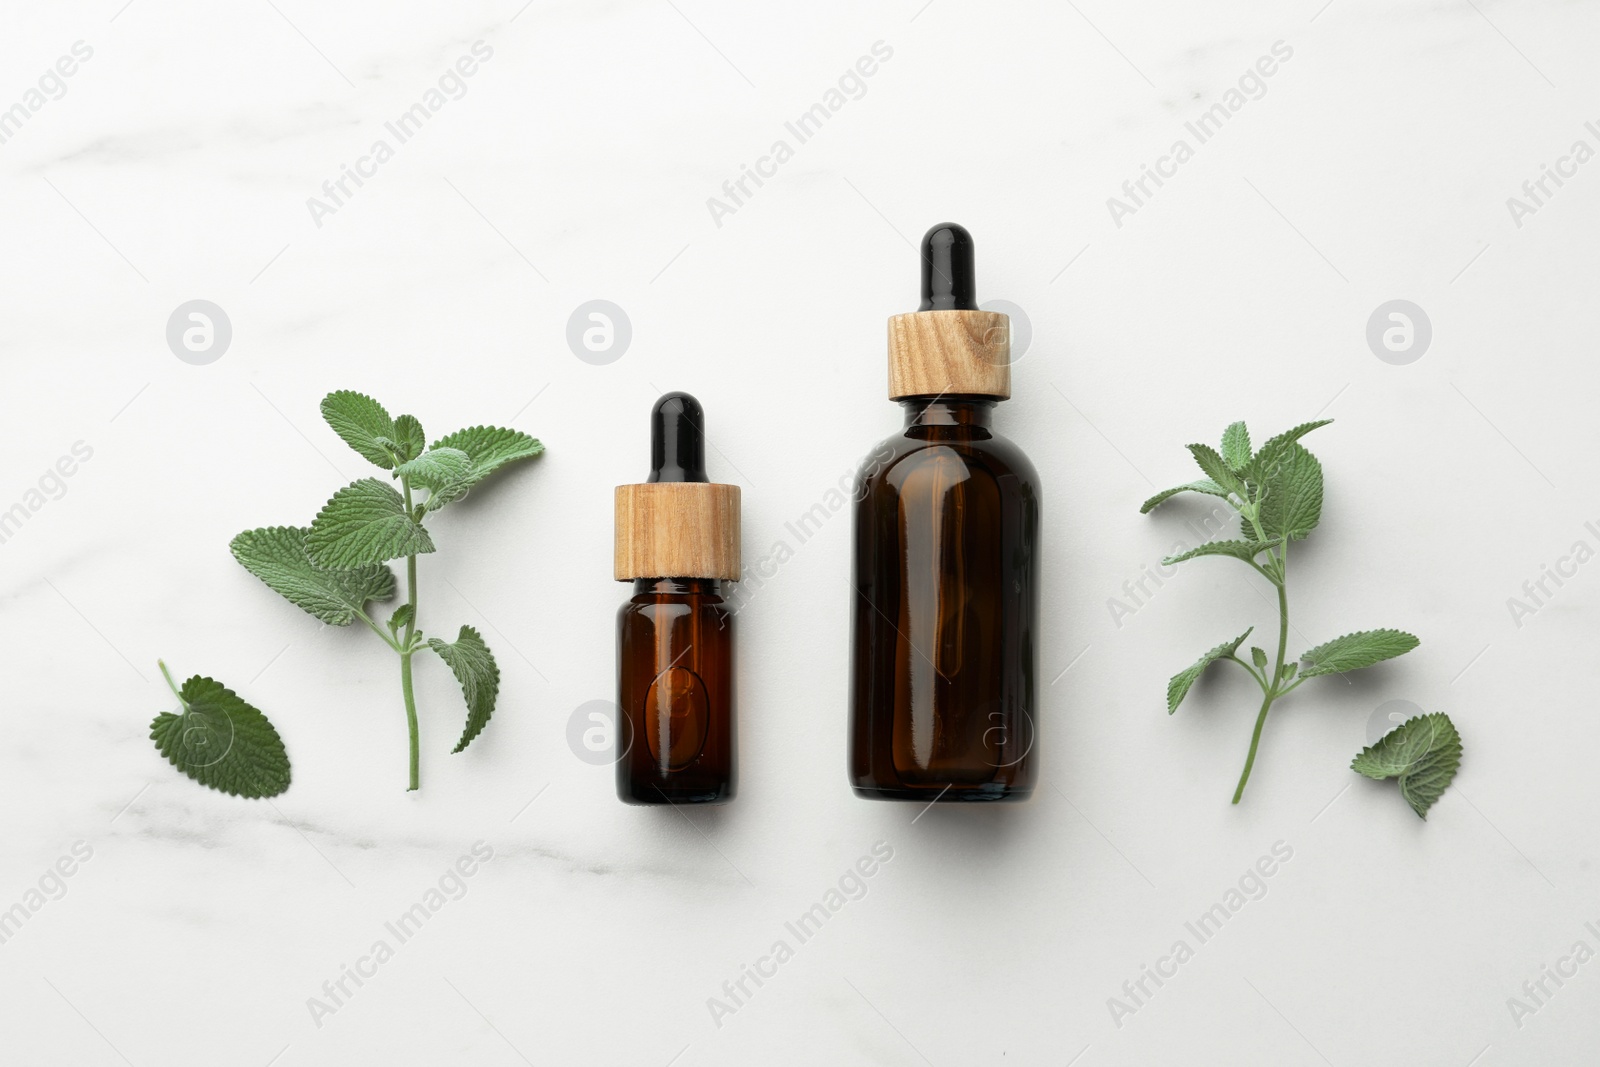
(944,674)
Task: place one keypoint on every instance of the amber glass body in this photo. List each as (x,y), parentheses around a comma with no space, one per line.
(675,739)
(944,689)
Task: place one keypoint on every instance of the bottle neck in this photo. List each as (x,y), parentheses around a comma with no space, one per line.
(677,586)
(976,411)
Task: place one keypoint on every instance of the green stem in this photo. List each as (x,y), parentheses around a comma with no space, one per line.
(1283,611)
(411,717)
(1255,739)
(171,684)
(379,630)
(1272,692)
(1262,682)
(407,648)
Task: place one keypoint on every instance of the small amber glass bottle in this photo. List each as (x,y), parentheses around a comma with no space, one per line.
(677,539)
(945,615)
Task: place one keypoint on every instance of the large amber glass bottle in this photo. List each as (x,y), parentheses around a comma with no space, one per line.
(677,540)
(944,692)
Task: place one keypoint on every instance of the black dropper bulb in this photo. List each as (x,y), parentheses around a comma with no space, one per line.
(678,440)
(949,279)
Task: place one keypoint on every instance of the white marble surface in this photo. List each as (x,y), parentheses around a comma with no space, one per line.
(177,164)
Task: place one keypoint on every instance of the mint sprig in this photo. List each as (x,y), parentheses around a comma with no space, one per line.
(1424,752)
(335,568)
(220,741)
(1277,491)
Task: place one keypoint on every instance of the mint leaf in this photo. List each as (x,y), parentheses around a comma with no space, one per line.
(1424,752)
(1290,500)
(1178,687)
(1270,454)
(365,522)
(473,665)
(364,425)
(277,555)
(1354,651)
(408,437)
(1246,550)
(1216,468)
(490,448)
(445,472)
(1258,656)
(1236,446)
(401,617)
(221,742)
(1203,486)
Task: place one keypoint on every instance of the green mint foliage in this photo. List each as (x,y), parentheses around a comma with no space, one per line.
(365,426)
(1354,651)
(491,447)
(474,667)
(409,438)
(1260,466)
(277,555)
(405,615)
(487,449)
(1216,468)
(1205,485)
(220,741)
(1290,496)
(1277,491)
(446,473)
(1236,446)
(336,566)
(365,522)
(1424,752)
(1179,686)
(436,468)
(1246,550)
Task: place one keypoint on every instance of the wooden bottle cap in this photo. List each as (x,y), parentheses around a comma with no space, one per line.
(679,524)
(950,352)
(677,530)
(948,346)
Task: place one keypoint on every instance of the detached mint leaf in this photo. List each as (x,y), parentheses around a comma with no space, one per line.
(1236,446)
(1246,550)
(365,522)
(1290,500)
(277,555)
(1205,485)
(1354,651)
(222,742)
(364,425)
(1424,752)
(474,667)
(1178,687)
(408,437)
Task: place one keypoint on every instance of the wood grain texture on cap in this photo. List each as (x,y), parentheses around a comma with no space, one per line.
(950,352)
(677,530)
